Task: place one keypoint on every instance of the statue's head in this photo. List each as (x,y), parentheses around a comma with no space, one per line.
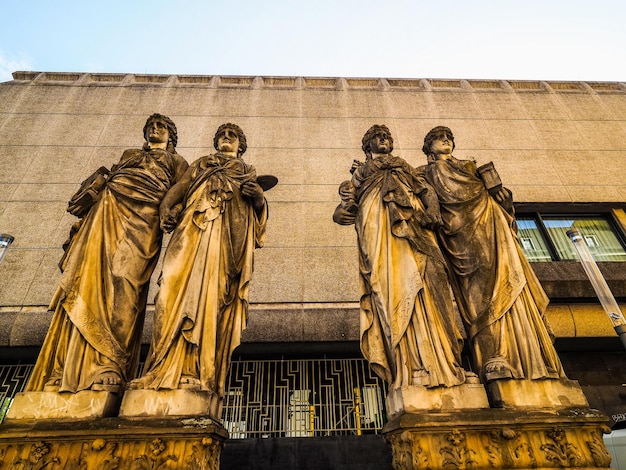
(171,128)
(433,134)
(372,132)
(243,145)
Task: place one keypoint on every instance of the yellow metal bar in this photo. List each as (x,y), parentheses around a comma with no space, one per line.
(357,410)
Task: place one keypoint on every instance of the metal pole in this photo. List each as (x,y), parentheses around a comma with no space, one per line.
(357,410)
(599,284)
(5,241)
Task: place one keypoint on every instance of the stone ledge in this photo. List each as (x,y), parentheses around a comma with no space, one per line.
(567,279)
(296,323)
(333,83)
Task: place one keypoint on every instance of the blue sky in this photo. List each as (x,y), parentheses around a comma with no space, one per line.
(504,39)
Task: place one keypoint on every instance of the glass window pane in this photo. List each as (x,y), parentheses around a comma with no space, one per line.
(532,241)
(596,231)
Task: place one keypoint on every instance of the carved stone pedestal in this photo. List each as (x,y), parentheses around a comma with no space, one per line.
(498,439)
(415,399)
(112,443)
(161,403)
(51,405)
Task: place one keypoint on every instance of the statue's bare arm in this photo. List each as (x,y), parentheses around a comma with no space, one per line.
(170,207)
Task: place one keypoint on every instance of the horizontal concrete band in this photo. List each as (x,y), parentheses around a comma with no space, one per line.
(300,323)
(286,82)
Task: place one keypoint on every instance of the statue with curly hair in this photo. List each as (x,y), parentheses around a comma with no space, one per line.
(201,307)
(500,298)
(99,306)
(408,332)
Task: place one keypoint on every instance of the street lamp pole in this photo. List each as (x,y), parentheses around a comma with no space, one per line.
(5,241)
(599,284)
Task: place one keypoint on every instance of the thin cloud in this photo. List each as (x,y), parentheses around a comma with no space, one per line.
(8,65)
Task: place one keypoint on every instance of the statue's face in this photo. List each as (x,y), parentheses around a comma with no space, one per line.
(228,141)
(442,145)
(157,132)
(380,143)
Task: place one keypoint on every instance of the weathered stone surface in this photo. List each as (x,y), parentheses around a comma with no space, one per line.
(281,323)
(54,405)
(536,394)
(110,444)
(498,439)
(420,399)
(567,279)
(163,403)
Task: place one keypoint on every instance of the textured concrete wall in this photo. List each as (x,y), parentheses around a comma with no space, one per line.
(551,142)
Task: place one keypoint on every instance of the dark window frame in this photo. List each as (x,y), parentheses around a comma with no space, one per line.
(537,211)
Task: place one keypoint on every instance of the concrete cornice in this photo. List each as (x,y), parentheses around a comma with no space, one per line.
(297,323)
(327,83)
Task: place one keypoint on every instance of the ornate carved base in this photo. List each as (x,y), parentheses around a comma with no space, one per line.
(537,394)
(413,399)
(112,443)
(499,439)
(50,405)
(161,403)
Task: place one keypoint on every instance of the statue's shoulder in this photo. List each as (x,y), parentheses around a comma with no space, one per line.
(402,162)
(423,171)
(470,165)
(203,160)
(179,159)
(199,165)
(128,153)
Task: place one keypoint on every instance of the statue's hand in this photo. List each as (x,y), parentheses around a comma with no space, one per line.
(504,197)
(253,190)
(432,220)
(169,217)
(344,217)
(355,164)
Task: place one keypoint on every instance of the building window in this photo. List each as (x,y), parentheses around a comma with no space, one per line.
(532,240)
(544,237)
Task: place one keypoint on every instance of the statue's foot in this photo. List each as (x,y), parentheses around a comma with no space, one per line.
(471,378)
(137,384)
(497,368)
(108,382)
(189,382)
(52,385)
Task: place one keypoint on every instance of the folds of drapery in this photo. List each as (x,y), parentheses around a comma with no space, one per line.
(201,307)
(100,303)
(500,298)
(407,327)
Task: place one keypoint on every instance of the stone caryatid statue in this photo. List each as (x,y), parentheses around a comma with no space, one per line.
(202,303)
(408,332)
(99,306)
(501,300)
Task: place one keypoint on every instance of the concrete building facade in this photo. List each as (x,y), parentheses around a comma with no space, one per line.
(559,146)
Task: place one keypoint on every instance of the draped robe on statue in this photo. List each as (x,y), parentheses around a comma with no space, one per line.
(408,333)
(498,294)
(202,303)
(99,306)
